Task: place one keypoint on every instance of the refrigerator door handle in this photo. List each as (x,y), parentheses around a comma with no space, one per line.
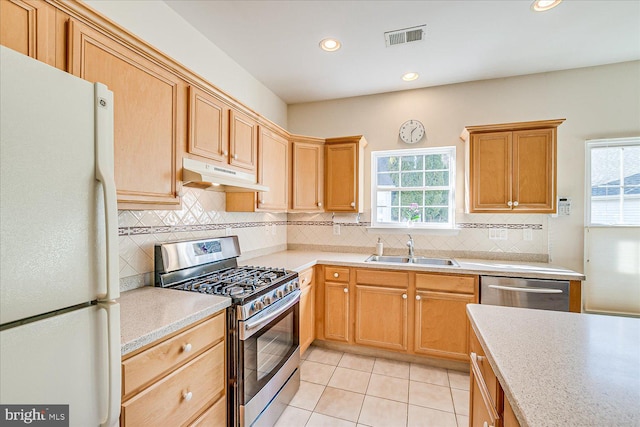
(114,384)
(105,174)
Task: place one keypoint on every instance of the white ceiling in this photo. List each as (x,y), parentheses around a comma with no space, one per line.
(466,40)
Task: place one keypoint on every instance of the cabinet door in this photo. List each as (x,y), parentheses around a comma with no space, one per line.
(272,170)
(29,27)
(381,317)
(208,126)
(441,325)
(147,117)
(534,171)
(307,317)
(341,177)
(490,172)
(480,415)
(336,311)
(307,181)
(243,140)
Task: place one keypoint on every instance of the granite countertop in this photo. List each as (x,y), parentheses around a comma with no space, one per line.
(149,313)
(559,368)
(301,260)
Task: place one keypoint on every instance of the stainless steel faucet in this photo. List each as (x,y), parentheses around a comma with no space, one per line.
(410,245)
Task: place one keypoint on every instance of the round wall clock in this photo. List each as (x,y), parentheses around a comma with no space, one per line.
(411,131)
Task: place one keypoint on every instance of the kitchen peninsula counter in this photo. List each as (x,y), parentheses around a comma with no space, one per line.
(300,260)
(559,368)
(148,314)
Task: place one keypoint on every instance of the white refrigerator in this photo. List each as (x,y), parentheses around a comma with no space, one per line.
(59,323)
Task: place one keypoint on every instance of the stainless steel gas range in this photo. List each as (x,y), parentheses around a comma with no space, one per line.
(263,336)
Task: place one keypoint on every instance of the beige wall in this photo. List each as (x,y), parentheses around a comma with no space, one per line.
(156,23)
(598,102)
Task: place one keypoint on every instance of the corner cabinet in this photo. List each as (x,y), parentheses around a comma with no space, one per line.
(307,174)
(344,174)
(511,168)
(148,118)
(307,309)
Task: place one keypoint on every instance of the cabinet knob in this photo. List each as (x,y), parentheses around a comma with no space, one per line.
(225,153)
(346,290)
(319,204)
(486,424)
(418,298)
(336,275)
(353,204)
(262,201)
(509,203)
(404,296)
(303,281)
(235,157)
(186,348)
(187,395)
(515,203)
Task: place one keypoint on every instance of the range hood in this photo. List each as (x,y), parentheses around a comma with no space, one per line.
(218,178)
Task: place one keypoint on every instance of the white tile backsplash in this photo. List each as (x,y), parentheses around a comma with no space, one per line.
(203,216)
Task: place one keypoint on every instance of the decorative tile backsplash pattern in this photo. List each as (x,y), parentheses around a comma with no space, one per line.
(203,215)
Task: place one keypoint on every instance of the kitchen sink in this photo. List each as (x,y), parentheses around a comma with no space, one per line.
(413,260)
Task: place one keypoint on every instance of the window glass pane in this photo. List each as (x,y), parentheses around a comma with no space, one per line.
(412,163)
(388,179)
(412,179)
(436,214)
(395,215)
(388,163)
(437,161)
(436,198)
(436,179)
(408,197)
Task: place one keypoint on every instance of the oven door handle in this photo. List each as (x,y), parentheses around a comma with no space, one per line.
(286,303)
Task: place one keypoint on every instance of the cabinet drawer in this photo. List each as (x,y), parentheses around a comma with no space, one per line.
(153,362)
(164,403)
(336,274)
(383,278)
(216,415)
(436,282)
(305,278)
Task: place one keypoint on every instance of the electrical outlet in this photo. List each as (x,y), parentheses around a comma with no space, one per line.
(336,229)
(527,234)
(227,231)
(503,235)
(498,234)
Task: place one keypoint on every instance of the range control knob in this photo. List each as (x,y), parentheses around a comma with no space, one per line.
(256,306)
(266,300)
(279,293)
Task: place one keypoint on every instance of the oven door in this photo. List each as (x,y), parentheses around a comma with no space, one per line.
(269,354)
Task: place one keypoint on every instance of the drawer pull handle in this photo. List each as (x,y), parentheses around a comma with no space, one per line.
(509,203)
(336,275)
(186,348)
(353,204)
(404,296)
(319,204)
(418,298)
(187,396)
(346,290)
(515,203)
(304,281)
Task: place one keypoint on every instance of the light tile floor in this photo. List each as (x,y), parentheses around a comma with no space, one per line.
(341,389)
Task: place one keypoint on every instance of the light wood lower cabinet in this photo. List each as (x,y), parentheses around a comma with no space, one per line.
(441,324)
(179,380)
(336,303)
(307,309)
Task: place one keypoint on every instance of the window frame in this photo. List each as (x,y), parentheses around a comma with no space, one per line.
(422,151)
(599,143)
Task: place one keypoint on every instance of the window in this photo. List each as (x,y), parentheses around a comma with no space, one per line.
(413,188)
(613,181)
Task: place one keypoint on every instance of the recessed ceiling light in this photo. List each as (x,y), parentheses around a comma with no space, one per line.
(409,77)
(542,5)
(330,45)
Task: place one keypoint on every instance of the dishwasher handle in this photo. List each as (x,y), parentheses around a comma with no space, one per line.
(527,290)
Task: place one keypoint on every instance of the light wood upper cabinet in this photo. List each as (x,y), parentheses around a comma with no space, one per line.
(149,117)
(208,126)
(29,27)
(243,140)
(307,180)
(307,309)
(344,174)
(273,171)
(511,167)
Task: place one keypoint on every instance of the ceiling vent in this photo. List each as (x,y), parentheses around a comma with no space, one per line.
(406,35)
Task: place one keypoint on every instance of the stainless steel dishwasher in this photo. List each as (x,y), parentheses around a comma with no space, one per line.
(526,293)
